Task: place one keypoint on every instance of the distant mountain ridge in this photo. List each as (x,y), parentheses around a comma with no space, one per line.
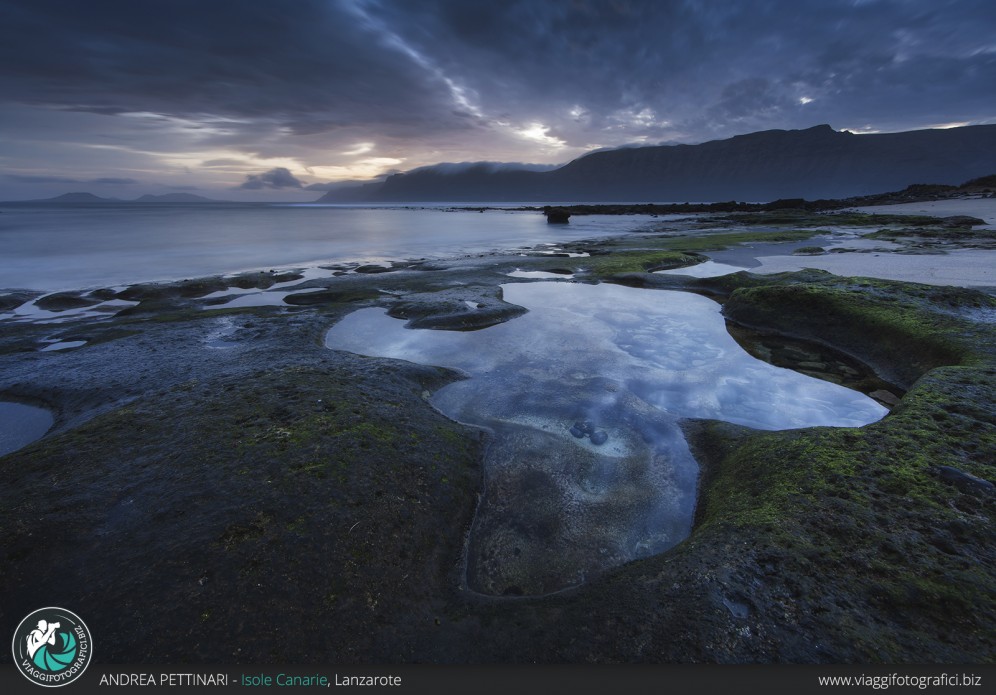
(175,198)
(82,197)
(814,163)
(77,197)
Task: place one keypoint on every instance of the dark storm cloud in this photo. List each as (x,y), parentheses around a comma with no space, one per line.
(278,177)
(525,55)
(319,65)
(706,65)
(40,179)
(112,181)
(749,98)
(27,178)
(414,83)
(306,65)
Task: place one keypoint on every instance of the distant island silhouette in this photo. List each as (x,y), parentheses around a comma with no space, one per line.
(83,197)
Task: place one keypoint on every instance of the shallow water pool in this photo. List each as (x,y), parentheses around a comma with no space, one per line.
(588,468)
(21,424)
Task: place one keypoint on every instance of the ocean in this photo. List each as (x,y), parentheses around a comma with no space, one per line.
(52,247)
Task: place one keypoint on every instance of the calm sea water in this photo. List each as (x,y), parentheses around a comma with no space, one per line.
(54,247)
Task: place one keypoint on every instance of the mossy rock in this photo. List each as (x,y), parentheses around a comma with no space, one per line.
(330,297)
(854,521)
(302,498)
(718,241)
(12,300)
(899,331)
(262,280)
(639,261)
(467,308)
(62,301)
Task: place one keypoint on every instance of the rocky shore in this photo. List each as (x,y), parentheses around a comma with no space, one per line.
(982,187)
(217,479)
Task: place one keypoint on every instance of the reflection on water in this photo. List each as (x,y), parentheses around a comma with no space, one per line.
(562,502)
(21,424)
(707,269)
(540,275)
(53,246)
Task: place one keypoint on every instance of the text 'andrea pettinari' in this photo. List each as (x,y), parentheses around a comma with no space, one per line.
(168,679)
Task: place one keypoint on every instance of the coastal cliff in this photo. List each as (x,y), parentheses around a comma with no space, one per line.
(818,162)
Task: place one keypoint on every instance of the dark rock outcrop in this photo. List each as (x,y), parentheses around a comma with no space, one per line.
(61,301)
(961,221)
(557,215)
(966,482)
(12,300)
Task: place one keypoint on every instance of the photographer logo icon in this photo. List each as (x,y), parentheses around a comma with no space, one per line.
(52,647)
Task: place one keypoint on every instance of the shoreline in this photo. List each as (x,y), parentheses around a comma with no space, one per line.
(957,268)
(210,452)
(982,208)
(934,266)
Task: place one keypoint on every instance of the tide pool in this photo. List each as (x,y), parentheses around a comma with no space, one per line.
(627,363)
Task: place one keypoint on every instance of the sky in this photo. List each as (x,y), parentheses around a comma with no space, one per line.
(281,100)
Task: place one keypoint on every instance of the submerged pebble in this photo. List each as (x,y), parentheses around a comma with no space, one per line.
(587,429)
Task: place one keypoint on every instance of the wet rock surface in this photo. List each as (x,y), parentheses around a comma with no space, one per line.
(557,510)
(327,297)
(21,424)
(61,301)
(276,487)
(819,361)
(661,357)
(554,516)
(464,308)
(12,300)
(966,482)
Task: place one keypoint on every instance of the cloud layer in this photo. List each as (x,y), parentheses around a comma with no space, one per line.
(191,93)
(278,177)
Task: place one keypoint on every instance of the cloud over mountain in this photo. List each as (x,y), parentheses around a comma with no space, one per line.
(278,177)
(212,93)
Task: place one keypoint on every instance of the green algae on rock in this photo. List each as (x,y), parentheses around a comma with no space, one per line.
(902,329)
(241,494)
